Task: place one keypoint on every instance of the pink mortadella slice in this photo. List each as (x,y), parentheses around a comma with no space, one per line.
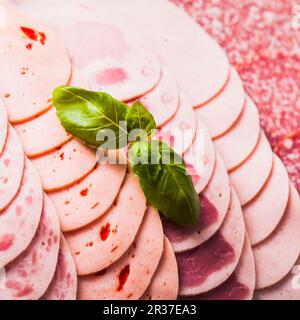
(265,211)
(11,168)
(214,205)
(33,63)
(210,264)
(240,285)
(66,165)
(163,100)
(180,131)
(200,157)
(64,282)
(131,275)
(88,199)
(286,289)
(3,126)
(44,133)
(276,255)
(20,220)
(250,178)
(112,234)
(236,145)
(164,284)
(220,113)
(29,276)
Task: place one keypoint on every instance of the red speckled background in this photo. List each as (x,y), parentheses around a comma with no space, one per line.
(262,41)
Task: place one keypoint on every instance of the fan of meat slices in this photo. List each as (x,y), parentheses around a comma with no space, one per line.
(71,228)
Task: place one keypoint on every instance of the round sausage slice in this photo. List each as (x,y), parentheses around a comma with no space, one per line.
(66,165)
(210,264)
(214,205)
(276,255)
(220,113)
(11,168)
(89,198)
(180,131)
(249,178)
(33,63)
(28,277)
(64,283)
(237,144)
(20,220)
(200,157)
(264,212)
(112,234)
(3,126)
(165,282)
(130,276)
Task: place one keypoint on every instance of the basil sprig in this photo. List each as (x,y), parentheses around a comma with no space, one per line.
(90,116)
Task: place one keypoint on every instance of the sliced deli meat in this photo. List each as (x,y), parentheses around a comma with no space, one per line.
(265,211)
(112,234)
(34,61)
(249,178)
(11,168)
(3,126)
(220,113)
(164,284)
(200,157)
(66,165)
(276,255)
(89,198)
(210,264)
(130,276)
(236,145)
(214,205)
(20,220)
(29,276)
(64,283)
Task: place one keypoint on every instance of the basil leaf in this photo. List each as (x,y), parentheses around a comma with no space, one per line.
(93,117)
(166,184)
(141,121)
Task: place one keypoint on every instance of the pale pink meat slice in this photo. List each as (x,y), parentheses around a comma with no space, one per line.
(64,283)
(130,276)
(20,220)
(236,145)
(3,126)
(112,234)
(28,276)
(276,255)
(11,168)
(265,211)
(66,165)
(220,113)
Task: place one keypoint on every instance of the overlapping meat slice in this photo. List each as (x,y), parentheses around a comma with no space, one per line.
(33,62)
(210,264)
(64,282)
(250,177)
(130,276)
(20,220)
(65,166)
(220,113)
(265,211)
(29,276)
(11,168)
(112,234)
(200,157)
(3,126)
(236,145)
(276,255)
(165,282)
(214,205)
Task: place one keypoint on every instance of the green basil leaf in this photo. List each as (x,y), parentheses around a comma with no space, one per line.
(93,117)
(141,120)
(166,183)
